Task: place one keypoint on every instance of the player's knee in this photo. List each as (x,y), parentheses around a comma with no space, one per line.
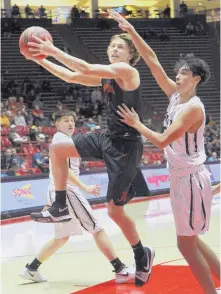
(62,241)
(98,233)
(186,243)
(115,212)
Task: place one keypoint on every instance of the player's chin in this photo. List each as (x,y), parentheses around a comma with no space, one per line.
(70,132)
(114,60)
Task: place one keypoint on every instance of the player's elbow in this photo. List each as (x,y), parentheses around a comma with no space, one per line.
(161,142)
(70,80)
(161,145)
(87,69)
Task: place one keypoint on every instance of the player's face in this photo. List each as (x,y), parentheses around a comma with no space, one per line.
(185,80)
(118,51)
(66,125)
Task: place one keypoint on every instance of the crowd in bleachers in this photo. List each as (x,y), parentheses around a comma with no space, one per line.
(212,140)
(26,131)
(194,29)
(79,12)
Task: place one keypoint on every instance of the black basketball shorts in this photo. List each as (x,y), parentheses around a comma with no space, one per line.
(121,157)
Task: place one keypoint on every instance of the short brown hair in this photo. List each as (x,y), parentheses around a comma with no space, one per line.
(58,115)
(133,51)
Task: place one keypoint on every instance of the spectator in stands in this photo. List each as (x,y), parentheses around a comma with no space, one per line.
(26,85)
(30,149)
(144,161)
(103,24)
(6,159)
(40,159)
(24,112)
(28,11)
(146,13)
(97,111)
(213,157)
(46,86)
(4,120)
(38,102)
(41,12)
(6,29)
(166,12)
(199,28)
(36,134)
(37,87)
(86,95)
(83,14)
(81,121)
(60,106)
(163,36)
(20,103)
(15,11)
(151,34)
(33,133)
(37,114)
(12,171)
(16,157)
(183,9)
(91,124)
(75,12)
(96,95)
(189,31)
(19,119)
(12,85)
(12,101)
(69,97)
(15,138)
(15,26)
(10,116)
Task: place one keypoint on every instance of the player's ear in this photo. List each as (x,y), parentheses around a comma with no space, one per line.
(197,79)
(56,125)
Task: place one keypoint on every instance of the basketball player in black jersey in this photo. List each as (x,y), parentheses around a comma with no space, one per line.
(120,147)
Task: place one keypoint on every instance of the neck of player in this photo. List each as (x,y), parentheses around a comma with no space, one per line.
(185,96)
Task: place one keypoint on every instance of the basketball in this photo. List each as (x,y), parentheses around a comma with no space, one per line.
(26,37)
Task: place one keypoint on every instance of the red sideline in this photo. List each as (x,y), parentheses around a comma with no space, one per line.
(95,206)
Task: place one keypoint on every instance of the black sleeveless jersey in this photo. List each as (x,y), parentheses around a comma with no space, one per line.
(114,96)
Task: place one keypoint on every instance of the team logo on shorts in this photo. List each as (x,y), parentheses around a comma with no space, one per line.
(123,197)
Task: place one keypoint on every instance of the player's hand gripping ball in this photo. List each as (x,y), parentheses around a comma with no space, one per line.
(27,36)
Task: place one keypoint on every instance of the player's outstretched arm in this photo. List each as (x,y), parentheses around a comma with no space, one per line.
(176,130)
(67,75)
(91,189)
(148,55)
(111,71)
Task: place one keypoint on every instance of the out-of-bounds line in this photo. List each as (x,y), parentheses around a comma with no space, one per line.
(21,219)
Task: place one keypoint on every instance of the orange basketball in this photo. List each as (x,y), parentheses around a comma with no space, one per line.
(26,37)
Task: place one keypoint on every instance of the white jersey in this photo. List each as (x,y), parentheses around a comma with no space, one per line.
(73,163)
(187,151)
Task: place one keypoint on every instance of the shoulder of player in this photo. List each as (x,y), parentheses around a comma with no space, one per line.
(57,136)
(195,111)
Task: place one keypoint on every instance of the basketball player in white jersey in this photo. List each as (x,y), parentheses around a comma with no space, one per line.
(183,143)
(81,212)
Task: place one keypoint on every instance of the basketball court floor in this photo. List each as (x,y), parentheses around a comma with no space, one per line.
(80,268)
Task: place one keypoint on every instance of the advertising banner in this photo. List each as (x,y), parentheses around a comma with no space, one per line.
(33,192)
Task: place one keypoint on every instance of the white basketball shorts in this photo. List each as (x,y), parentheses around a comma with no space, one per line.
(81,212)
(191,199)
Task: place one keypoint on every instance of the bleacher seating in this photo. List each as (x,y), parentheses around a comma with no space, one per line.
(168,53)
